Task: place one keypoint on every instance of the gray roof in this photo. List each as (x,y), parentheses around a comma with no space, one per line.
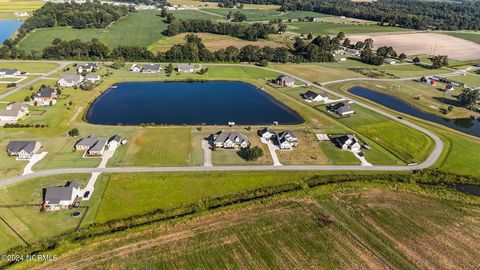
(223,136)
(92,76)
(151,67)
(115,138)
(341,107)
(87,141)
(185,67)
(286,135)
(264,130)
(342,140)
(98,146)
(72,78)
(8,71)
(56,194)
(286,79)
(89,66)
(17,146)
(46,92)
(13,109)
(310,95)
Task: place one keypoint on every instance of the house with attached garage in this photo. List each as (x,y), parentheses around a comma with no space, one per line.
(115,141)
(287,140)
(285,81)
(229,140)
(9,72)
(266,133)
(94,146)
(13,112)
(311,96)
(88,67)
(23,149)
(56,198)
(185,68)
(70,80)
(347,142)
(340,109)
(46,96)
(135,68)
(151,68)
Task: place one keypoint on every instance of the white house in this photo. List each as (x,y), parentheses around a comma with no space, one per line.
(390,61)
(229,140)
(311,96)
(56,198)
(266,133)
(347,142)
(115,141)
(184,68)
(135,68)
(9,72)
(70,80)
(46,96)
(20,14)
(13,112)
(93,78)
(341,109)
(23,149)
(342,59)
(287,140)
(285,81)
(89,67)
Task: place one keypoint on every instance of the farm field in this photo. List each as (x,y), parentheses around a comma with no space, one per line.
(425,43)
(267,15)
(136,29)
(472,36)
(335,226)
(8,7)
(213,42)
(331,28)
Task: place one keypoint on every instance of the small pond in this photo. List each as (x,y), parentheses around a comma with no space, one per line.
(7,28)
(468,189)
(466,125)
(190,103)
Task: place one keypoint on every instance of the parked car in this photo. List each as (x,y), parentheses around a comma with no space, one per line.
(86,194)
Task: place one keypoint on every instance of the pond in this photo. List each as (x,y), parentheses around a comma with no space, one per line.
(7,28)
(466,125)
(468,189)
(190,103)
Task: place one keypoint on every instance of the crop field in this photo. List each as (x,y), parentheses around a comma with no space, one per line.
(8,7)
(341,226)
(426,43)
(213,42)
(140,29)
(330,28)
(267,15)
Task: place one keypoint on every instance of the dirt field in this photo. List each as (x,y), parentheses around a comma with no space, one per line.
(368,229)
(426,43)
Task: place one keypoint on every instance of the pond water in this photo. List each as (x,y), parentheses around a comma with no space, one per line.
(7,28)
(190,103)
(466,125)
(468,189)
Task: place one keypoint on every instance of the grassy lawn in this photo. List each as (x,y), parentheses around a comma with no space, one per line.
(330,28)
(30,67)
(140,193)
(267,15)
(472,36)
(462,154)
(308,151)
(355,225)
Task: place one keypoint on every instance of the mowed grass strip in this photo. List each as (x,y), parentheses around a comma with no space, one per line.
(134,194)
(319,28)
(160,147)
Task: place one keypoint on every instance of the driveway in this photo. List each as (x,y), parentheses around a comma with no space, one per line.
(32,161)
(362,159)
(94,177)
(207,154)
(272,148)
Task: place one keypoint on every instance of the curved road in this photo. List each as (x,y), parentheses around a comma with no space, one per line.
(431,159)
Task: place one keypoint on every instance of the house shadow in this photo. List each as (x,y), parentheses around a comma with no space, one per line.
(242,153)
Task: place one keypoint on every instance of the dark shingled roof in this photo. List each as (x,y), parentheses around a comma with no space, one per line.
(17,146)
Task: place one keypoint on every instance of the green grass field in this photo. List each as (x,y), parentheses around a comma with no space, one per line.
(267,15)
(319,28)
(8,7)
(472,36)
(355,225)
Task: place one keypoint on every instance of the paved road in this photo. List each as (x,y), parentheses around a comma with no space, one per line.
(434,155)
(41,77)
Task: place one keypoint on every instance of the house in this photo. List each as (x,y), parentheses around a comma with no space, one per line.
(94,146)
(285,81)
(46,96)
(70,80)
(266,133)
(23,149)
(287,140)
(347,142)
(185,68)
(98,148)
(20,14)
(230,140)
(322,137)
(390,61)
(93,78)
(340,109)
(86,143)
(88,67)
(9,72)
(135,68)
(115,141)
(428,80)
(151,68)
(56,198)
(342,59)
(311,96)
(13,112)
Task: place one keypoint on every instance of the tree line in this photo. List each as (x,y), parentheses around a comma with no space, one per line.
(414,14)
(251,32)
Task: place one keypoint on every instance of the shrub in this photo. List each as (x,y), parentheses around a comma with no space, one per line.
(253,153)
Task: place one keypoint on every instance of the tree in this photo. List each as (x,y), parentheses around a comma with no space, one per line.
(439,61)
(416,60)
(238,17)
(118,63)
(263,63)
(309,36)
(74,132)
(169,18)
(469,98)
(163,13)
(402,57)
(169,70)
(254,153)
(87,86)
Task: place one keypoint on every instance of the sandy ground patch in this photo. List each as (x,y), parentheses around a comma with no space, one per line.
(426,43)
